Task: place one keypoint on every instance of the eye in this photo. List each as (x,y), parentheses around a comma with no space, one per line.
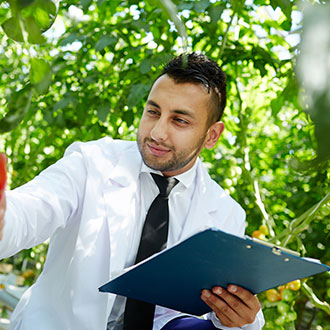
(181,121)
(152,112)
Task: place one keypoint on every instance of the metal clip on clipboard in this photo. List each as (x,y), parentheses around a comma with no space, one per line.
(275,248)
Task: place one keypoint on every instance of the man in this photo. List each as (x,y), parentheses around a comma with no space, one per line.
(94,201)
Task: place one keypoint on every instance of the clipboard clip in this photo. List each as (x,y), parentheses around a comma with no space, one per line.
(275,248)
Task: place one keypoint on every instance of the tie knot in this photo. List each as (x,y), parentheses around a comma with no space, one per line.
(164,184)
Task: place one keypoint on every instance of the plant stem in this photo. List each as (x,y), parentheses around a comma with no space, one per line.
(225,37)
(308,291)
(301,223)
(247,169)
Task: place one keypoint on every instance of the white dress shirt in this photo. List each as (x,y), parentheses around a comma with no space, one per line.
(179,203)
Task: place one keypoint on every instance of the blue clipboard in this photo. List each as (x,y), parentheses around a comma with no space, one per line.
(175,277)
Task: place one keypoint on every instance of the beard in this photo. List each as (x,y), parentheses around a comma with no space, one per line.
(178,160)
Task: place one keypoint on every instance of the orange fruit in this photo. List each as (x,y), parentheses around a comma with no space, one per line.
(294,285)
(273,295)
(258,234)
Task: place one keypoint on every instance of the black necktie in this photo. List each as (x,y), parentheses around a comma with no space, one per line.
(139,314)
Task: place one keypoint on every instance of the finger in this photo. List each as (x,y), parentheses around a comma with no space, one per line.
(233,301)
(236,304)
(249,299)
(223,311)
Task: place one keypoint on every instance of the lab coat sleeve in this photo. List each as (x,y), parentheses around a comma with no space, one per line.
(36,209)
(258,323)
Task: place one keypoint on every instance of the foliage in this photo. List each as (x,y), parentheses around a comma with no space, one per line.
(88,75)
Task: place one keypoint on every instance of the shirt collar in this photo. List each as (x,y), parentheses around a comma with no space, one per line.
(186,178)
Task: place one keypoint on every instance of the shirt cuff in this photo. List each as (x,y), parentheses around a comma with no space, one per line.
(258,323)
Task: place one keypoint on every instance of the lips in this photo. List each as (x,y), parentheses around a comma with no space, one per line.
(157,150)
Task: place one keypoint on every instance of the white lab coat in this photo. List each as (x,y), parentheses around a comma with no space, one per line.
(85,203)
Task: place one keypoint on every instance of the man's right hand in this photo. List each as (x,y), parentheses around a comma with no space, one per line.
(3,179)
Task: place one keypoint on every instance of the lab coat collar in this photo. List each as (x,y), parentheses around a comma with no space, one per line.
(204,189)
(128,166)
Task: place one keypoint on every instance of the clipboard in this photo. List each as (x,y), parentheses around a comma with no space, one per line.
(175,277)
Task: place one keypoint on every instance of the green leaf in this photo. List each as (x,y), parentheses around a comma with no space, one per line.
(200,6)
(260,65)
(137,93)
(49,7)
(85,4)
(276,105)
(215,12)
(42,11)
(65,102)
(145,66)
(104,42)
(18,105)
(113,4)
(321,117)
(42,18)
(171,11)
(60,120)
(286,25)
(184,5)
(103,111)
(39,68)
(27,11)
(34,33)
(40,75)
(128,117)
(24,3)
(285,5)
(48,116)
(159,60)
(70,39)
(13,29)
(4,15)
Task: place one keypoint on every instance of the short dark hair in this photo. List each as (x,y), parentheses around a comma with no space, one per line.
(198,68)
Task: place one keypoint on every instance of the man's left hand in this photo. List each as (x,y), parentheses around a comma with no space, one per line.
(234,307)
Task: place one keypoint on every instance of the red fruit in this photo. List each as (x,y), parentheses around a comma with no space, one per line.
(3,173)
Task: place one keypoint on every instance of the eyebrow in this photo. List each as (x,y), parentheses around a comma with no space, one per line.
(154,104)
(177,111)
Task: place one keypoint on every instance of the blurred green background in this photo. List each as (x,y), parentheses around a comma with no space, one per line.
(80,70)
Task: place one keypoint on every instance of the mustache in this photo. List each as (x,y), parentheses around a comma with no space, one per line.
(160,144)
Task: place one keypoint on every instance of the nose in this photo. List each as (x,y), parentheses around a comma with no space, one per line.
(160,131)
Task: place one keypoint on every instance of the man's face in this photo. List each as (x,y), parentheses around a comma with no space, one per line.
(173,128)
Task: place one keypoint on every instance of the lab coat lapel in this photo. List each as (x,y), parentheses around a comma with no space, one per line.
(202,206)
(120,195)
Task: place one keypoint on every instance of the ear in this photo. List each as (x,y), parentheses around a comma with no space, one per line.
(213,134)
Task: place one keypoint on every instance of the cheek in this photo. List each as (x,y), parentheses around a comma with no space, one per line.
(189,138)
(142,126)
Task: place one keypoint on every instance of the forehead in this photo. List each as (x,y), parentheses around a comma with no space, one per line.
(167,82)
(172,93)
